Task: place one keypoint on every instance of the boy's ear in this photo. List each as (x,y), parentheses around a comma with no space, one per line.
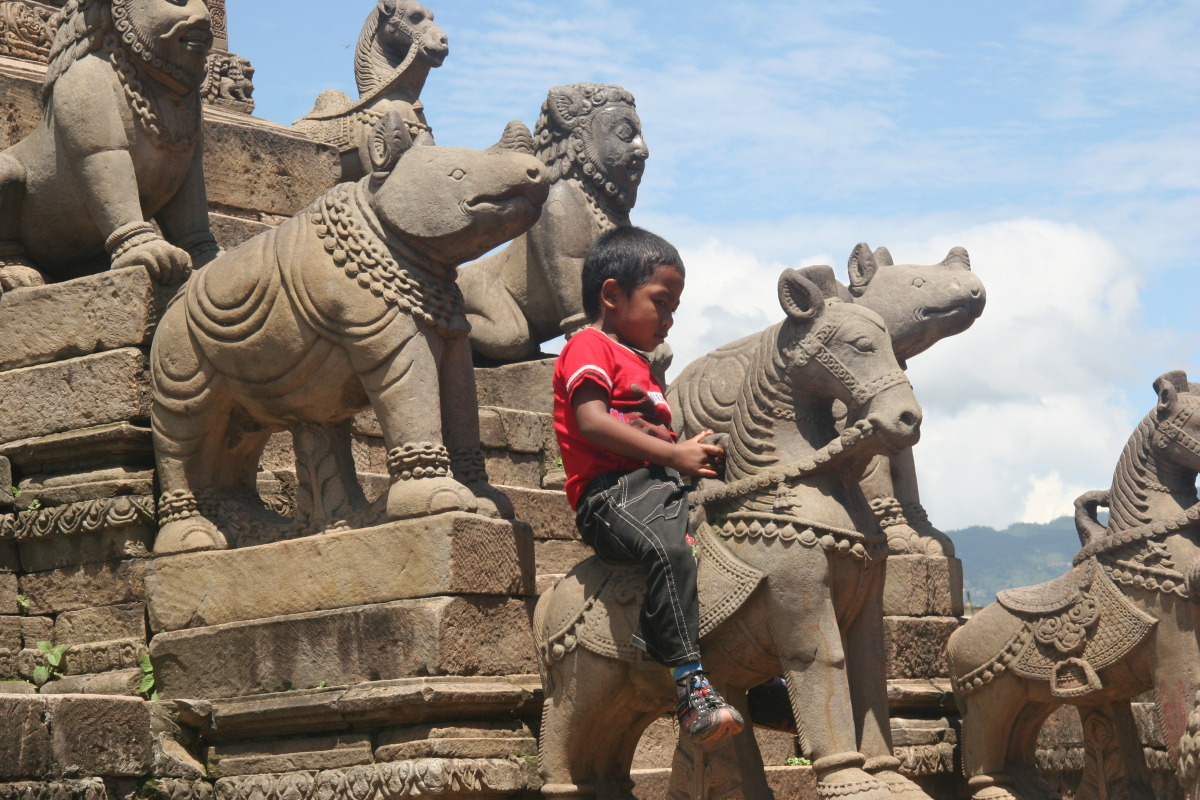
(610,290)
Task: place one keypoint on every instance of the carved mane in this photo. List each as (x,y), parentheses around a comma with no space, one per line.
(1139,472)
(80,31)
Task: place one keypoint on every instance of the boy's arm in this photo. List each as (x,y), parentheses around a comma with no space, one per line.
(691,457)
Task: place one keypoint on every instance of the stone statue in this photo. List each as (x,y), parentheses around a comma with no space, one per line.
(590,137)
(791,576)
(920,304)
(119,144)
(398,46)
(350,304)
(1122,622)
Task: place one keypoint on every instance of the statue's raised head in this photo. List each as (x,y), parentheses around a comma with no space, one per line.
(591,132)
(397,33)
(164,43)
(451,204)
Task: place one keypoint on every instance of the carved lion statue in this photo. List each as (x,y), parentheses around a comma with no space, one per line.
(399,44)
(119,144)
(590,138)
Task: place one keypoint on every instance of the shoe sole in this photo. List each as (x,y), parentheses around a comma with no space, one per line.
(729,725)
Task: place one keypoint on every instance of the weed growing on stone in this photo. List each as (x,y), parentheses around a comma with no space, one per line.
(52,656)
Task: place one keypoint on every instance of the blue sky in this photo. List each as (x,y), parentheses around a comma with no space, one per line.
(1057,142)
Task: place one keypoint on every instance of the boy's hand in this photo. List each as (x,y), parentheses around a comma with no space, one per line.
(693,457)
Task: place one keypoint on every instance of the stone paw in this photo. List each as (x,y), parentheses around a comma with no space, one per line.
(17,274)
(852,783)
(422,497)
(189,535)
(901,787)
(492,501)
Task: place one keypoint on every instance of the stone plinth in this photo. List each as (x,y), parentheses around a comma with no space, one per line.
(525,386)
(443,555)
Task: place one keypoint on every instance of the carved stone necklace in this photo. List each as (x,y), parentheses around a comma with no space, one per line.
(340,217)
(174,130)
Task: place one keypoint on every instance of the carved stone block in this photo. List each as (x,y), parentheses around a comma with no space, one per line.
(10,633)
(126,621)
(445,778)
(518,431)
(557,557)
(123,682)
(105,545)
(915,647)
(923,586)
(446,554)
(73,394)
(495,740)
(513,469)
(258,165)
(110,310)
(71,735)
(432,636)
(794,783)
(87,586)
(525,385)
(8,594)
(547,512)
(289,755)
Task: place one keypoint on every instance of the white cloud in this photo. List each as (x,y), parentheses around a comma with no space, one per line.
(1049,498)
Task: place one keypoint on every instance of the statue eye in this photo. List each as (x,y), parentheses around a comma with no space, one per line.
(416,17)
(625,133)
(863,344)
(918,282)
(458,174)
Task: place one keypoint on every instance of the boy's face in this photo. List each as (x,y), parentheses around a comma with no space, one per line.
(642,318)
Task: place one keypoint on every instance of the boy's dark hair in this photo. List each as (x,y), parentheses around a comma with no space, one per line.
(628,255)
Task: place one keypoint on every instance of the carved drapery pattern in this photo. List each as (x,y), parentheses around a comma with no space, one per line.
(381,781)
(86,789)
(78,518)
(925,759)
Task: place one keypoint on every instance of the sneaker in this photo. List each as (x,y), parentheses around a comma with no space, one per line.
(702,712)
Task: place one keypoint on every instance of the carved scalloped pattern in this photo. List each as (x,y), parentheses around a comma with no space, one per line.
(74,519)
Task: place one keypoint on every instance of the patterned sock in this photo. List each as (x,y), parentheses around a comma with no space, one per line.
(681,672)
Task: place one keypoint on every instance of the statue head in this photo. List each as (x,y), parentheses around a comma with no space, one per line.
(591,132)
(169,39)
(405,23)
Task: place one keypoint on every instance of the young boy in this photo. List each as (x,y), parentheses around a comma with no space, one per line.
(624,481)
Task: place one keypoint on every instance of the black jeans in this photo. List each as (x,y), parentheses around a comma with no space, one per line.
(642,517)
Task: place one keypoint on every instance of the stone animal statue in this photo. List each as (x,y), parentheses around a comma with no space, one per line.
(398,46)
(1122,622)
(790,581)
(590,138)
(920,304)
(119,144)
(351,303)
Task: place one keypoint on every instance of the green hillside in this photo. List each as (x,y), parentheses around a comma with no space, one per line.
(1020,555)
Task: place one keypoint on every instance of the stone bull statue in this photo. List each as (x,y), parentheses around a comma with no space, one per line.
(352,303)
(920,304)
(1122,622)
(790,581)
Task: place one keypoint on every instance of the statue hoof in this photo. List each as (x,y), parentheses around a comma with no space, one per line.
(422,497)
(17,273)
(189,535)
(492,501)
(901,787)
(852,781)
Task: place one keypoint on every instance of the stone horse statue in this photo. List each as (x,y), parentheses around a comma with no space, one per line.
(1121,622)
(789,557)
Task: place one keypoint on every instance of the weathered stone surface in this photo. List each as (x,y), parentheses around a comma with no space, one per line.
(64,452)
(100,735)
(515,430)
(10,559)
(525,385)
(557,556)
(656,748)
(915,647)
(231,231)
(254,164)
(514,469)
(432,636)
(794,783)
(12,686)
(24,737)
(378,703)
(8,594)
(495,740)
(82,659)
(920,694)
(547,512)
(6,482)
(106,311)
(105,545)
(924,746)
(126,621)
(85,586)
(445,554)
(123,682)
(923,586)
(10,633)
(289,755)
(72,735)
(36,401)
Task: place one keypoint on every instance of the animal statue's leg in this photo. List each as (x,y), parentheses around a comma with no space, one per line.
(402,386)
(904,479)
(730,768)
(805,628)
(327,481)
(15,269)
(499,329)
(877,489)
(1176,662)
(460,424)
(1112,748)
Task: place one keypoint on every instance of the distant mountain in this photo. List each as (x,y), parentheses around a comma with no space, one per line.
(1020,555)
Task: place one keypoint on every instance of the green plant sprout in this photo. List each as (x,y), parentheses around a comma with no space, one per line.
(146,687)
(52,655)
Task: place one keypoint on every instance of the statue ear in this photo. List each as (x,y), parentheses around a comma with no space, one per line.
(389,140)
(800,298)
(862,267)
(387,7)
(822,275)
(883,257)
(959,256)
(1168,386)
(563,104)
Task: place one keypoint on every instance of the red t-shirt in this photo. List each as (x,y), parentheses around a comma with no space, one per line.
(592,356)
